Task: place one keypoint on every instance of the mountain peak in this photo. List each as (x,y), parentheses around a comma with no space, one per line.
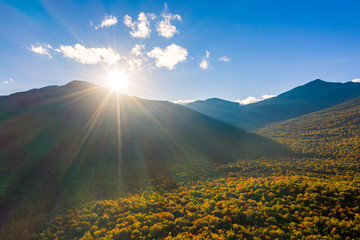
(316,82)
(80,84)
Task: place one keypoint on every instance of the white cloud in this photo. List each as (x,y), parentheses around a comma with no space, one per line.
(248,100)
(252,99)
(134,63)
(225,59)
(207,54)
(90,55)
(164,27)
(168,57)
(141,27)
(356,80)
(8,81)
(267,96)
(183,102)
(106,22)
(204,64)
(41,48)
(137,50)
(136,58)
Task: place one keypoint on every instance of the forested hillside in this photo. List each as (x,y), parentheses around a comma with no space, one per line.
(274,207)
(62,146)
(311,195)
(168,172)
(333,132)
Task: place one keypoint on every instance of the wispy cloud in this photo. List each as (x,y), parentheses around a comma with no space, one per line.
(141,27)
(11,80)
(168,57)
(224,59)
(267,96)
(357,80)
(108,21)
(41,48)
(207,54)
(164,27)
(252,99)
(183,102)
(204,64)
(90,55)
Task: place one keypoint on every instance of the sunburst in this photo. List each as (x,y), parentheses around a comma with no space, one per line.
(117,81)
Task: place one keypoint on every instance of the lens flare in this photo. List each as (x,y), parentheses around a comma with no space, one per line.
(117,81)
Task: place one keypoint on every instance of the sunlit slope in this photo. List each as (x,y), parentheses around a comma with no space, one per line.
(282,207)
(333,132)
(311,97)
(82,142)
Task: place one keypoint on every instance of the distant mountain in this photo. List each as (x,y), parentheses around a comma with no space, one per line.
(333,132)
(311,97)
(63,145)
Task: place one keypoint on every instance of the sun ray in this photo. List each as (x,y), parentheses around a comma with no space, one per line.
(117,81)
(89,128)
(188,156)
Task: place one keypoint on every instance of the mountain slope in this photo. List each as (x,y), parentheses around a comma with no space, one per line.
(311,97)
(219,109)
(74,143)
(332,132)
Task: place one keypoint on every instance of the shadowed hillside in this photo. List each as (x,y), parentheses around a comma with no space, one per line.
(60,146)
(311,97)
(332,132)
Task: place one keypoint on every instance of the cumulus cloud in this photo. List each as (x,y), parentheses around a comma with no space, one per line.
(90,55)
(106,22)
(168,57)
(41,48)
(204,64)
(164,27)
(248,100)
(356,80)
(141,27)
(134,63)
(183,102)
(252,99)
(225,59)
(137,49)
(136,58)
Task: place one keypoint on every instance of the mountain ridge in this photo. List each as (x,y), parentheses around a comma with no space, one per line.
(310,97)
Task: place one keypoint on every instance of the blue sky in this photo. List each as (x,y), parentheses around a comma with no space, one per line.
(172,50)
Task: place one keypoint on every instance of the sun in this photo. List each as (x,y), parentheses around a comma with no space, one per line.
(117,81)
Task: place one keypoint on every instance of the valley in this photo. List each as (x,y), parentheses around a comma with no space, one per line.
(179,120)
(82,162)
